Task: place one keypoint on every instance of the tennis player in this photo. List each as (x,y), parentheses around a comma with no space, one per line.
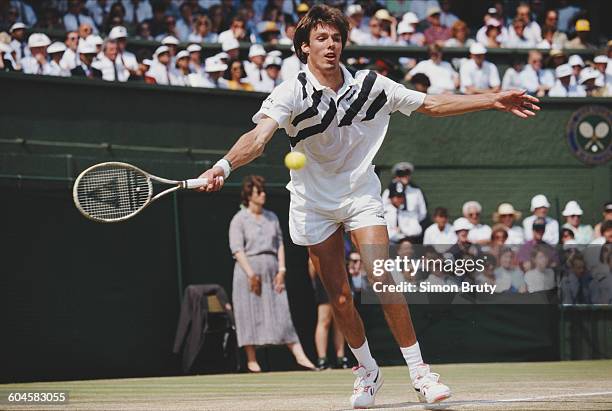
(339,122)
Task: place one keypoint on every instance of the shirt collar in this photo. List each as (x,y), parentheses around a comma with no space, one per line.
(349,80)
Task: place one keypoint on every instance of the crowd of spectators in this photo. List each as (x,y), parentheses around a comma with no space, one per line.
(536,254)
(97,34)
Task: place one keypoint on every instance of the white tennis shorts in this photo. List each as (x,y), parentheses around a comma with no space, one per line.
(309,225)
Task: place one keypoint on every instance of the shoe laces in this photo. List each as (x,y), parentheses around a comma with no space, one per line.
(360,383)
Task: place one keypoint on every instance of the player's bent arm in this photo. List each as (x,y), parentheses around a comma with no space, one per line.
(517,102)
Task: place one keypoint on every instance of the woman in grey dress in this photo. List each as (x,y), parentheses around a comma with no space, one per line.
(260,300)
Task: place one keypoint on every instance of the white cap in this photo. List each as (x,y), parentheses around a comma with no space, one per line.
(572,208)
(182,54)
(86,47)
(354,9)
(222,55)
(538,201)
(257,50)
(170,40)
(462,223)
(575,60)
(276,53)
(230,44)
(601,59)
(94,39)
(192,48)
(38,40)
(57,47)
(147,62)
(273,61)
(118,32)
(410,18)
(433,10)
(404,27)
(468,205)
(588,73)
(213,64)
(478,48)
(160,50)
(17,26)
(491,10)
(563,70)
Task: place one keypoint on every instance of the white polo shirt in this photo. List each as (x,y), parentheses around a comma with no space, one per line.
(483,77)
(339,133)
(441,76)
(442,240)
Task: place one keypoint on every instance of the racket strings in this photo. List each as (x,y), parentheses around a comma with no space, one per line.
(111,193)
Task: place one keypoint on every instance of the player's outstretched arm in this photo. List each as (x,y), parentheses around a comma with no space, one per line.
(517,102)
(248,147)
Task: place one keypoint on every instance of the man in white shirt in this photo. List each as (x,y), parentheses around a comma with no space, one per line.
(443,78)
(440,234)
(563,86)
(291,66)
(535,80)
(74,18)
(128,59)
(477,75)
(481,34)
(518,36)
(55,52)
(338,121)
(160,68)
(539,208)
(272,65)
(479,233)
(355,16)
(70,59)
(18,40)
(237,31)
(414,200)
(37,62)
(376,36)
(604,79)
(214,69)
(110,65)
(254,68)
(532,31)
(401,224)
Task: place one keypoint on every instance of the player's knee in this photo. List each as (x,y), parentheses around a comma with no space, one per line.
(342,301)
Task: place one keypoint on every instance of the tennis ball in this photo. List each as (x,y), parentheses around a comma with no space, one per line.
(295,160)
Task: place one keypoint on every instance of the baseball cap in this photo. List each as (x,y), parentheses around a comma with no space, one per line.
(192,48)
(38,40)
(86,47)
(539,224)
(462,223)
(273,61)
(572,208)
(564,70)
(161,50)
(538,201)
(170,40)
(402,169)
(583,25)
(230,44)
(587,74)
(17,26)
(404,27)
(608,207)
(575,60)
(257,50)
(213,64)
(56,47)
(118,32)
(478,48)
(94,39)
(396,189)
(302,8)
(354,9)
(433,10)
(601,59)
(182,54)
(491,10)
(382,14)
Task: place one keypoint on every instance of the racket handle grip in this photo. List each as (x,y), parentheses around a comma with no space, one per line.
(195,183)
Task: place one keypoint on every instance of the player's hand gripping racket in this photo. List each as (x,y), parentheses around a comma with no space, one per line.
(111,192)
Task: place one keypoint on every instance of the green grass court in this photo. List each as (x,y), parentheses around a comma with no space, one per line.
(584,385)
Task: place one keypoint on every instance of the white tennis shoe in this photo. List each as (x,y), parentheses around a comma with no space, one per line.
(428,387)
(366,386)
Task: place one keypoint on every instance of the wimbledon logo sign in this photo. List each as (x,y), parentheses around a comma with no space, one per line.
(589,136)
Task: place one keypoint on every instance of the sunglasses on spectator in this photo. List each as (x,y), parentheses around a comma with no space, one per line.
(473,214)
(355,260)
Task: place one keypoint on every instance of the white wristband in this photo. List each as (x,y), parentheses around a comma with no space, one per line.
(225,165)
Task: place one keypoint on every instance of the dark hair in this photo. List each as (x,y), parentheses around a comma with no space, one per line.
(441,211)
(567,231)
(421,78)
(247,187)
(605,226)
(228,72)
(318,15)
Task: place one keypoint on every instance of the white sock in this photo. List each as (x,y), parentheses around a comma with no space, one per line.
(364,356)
(413,358)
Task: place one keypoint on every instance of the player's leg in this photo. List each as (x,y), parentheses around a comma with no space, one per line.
(324,320)
(373,244)
(252,363)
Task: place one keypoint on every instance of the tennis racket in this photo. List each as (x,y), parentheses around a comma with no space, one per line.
(111,192)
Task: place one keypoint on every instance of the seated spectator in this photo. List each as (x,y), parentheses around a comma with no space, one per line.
(143,32)
(556,58)
(478,76)
(417,38)
(531,31)
(572,212)
(236,77)
(237,31)
(272,65)
(512,79)
(401,223)
(388,24)
(110,65)
(517,37)
(567,238)
(607,216)
(540,277)
(499,237)
(508,269)
(539,208)
(420,82)
(459,35)
(414,200)
(6,63)
(169,30)
(436,33)
(479,233)
(502,281)
(376,36)
(214,69)
(18,40)
(563,86)
(588,78)
(75,17)
(577,285)
(551,34)
(127,58)
(232,48)
(463,247)
(195,58)
(256,74)
(96,41)
(85,30)
(291,66)
(535,80)
(86,52)
(440,234)
(524,255)
(37,63)
(576,63)
(547,39)
(601,65)
(181,75)
(354,12)
(443,77)
(447,18)
(160,68)
(481,35)
(404,34)
(506,215)
(269,32)
(581,41)
(55,52)
(201,31)
(492,33)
